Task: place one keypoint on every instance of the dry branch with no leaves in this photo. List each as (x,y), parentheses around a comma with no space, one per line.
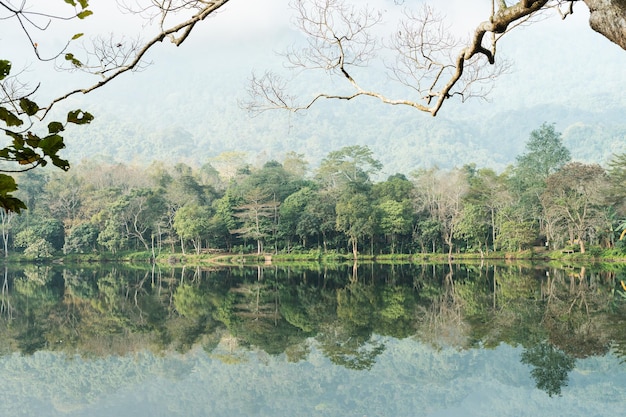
(110,57)
(429,62)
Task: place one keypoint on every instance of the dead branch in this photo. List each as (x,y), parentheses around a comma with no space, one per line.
(428,61)
(120,63)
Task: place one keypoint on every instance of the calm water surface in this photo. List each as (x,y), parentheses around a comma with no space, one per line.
(378,340)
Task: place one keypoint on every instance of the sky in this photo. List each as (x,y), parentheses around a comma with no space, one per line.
(241,23)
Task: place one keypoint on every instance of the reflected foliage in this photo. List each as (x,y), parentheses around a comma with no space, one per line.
(550,367)
(347,314)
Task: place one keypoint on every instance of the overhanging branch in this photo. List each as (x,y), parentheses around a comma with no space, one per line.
(184,29)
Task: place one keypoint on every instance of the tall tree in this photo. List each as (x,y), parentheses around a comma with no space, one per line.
(396,219)
(192,223)
(257,216)
(292,212)
(491,192)
(351,165)
(441,195)
(575,196)
(545,154)
(356,218)
(319,218)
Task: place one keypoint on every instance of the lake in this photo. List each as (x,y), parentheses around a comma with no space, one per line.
(313,340)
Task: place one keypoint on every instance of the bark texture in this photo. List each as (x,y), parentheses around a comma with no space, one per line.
(608,17)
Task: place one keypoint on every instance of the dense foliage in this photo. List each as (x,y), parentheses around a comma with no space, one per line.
(544,200)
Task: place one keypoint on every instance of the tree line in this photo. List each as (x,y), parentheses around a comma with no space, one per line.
(544,199)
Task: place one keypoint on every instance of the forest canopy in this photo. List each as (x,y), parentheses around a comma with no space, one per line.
(545,199)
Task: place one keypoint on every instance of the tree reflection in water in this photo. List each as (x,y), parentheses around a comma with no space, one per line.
(344,311)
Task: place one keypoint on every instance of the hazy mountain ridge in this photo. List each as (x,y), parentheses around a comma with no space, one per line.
(402,139)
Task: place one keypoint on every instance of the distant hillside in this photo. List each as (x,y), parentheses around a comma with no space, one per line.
(402,139)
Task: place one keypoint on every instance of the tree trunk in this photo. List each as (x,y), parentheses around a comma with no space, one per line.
(354,248)
(608,17)
(581,243)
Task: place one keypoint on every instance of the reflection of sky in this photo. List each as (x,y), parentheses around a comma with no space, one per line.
(409,379)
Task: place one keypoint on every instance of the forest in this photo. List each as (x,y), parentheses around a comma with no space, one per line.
(543,201)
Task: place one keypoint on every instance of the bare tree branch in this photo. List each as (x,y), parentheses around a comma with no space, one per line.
(428,60)
(177,33)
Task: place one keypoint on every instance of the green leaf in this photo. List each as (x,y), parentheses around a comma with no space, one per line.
(78,35)
(84,14)
(32,140)
(5,68)
(10,203)
(51,144)
(29,106)
(27,157)
(9,118)
(84,3)
(79,117)
(72,2)
(18,141)
(74,61)
(60,162)
(13,134)
(55,127)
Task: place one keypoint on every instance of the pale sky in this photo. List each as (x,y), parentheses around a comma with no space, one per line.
(243,22)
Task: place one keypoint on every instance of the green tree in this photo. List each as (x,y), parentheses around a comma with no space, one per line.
(132,216)
(292,212)
(111,236)
(396,219)
(34,245)
(397,188)
(350,165)
(319,218)
(257,216)
(355,217)
(82,238)
(473,226)
(192,223)
(617,192)
(223,222)
(576,197)
(275,181)
(139,213)
(515,233)
(491,192)
(427,231)
(545,155)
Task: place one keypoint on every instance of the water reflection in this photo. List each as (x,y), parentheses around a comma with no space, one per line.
(352,317)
